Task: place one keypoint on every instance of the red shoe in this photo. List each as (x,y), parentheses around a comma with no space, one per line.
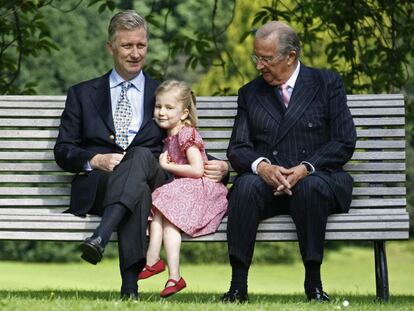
(149,271)
(171,290)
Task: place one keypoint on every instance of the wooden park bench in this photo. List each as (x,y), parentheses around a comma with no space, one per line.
(34,190)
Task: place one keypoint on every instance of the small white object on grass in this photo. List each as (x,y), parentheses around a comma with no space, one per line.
(345,303)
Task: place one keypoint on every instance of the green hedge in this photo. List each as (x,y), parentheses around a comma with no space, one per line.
(191,252)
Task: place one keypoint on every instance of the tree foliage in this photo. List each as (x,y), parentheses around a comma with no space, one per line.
(368,42)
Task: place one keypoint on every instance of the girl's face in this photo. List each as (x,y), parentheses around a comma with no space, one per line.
(169,113)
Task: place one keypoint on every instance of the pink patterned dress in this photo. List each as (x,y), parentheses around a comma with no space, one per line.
(194,205)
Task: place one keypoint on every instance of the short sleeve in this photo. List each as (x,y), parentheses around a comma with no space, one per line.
(188,137)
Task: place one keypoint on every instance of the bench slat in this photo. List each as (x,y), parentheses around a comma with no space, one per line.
(24,191)
(217,237)
(53,167)
(39,191)
(358,155)
(56,179)
(207,134)
(24,134)
(271,222)
(353,212)
(382,202)
(286,227)
(361,144)
(35,112)
(27,155)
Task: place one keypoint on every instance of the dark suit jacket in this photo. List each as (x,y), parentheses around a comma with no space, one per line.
(87,128)
(317,127)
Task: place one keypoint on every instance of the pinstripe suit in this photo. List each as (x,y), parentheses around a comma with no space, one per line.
(317,127)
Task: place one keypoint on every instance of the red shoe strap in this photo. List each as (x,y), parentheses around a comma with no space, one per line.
(172,281)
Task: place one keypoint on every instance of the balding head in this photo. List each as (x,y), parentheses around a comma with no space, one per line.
(286,38)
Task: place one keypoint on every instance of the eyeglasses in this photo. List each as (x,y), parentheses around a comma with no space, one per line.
(265,59)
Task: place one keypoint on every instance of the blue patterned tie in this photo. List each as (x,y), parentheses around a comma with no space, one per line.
(123,116)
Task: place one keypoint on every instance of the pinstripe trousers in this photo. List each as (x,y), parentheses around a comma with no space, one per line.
(251,200)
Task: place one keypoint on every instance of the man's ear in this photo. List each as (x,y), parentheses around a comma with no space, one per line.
(110,47)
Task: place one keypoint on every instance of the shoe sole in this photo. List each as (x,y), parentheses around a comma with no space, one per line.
(90,254)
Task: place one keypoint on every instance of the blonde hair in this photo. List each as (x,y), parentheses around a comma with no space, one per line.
(185,96)
(128,20)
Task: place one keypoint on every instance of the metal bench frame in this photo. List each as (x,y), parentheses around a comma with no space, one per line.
(34,190)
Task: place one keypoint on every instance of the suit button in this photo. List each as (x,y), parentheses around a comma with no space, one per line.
(275,152)
(310,124)
(112,137)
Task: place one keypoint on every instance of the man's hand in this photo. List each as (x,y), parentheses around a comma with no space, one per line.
(275,176)
(293,175)
(215,170)
(106,162)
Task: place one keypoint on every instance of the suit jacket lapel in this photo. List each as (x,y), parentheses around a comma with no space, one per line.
(304,91)
(269,100)
(149,91)
(102,100)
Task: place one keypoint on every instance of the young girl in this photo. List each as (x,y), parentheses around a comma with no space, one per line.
(190,203)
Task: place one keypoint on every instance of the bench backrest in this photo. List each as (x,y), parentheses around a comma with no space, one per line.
(29,177)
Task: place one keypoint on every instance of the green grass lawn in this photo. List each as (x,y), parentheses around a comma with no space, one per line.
(347,273)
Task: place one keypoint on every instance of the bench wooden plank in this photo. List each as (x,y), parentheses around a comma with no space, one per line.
(281,227)
(53,167)
(353,212)
(49,144)
(43,191)
(382,202)
(217,237)
(206,133)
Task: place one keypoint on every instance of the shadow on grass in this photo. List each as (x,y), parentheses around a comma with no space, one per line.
(201,298)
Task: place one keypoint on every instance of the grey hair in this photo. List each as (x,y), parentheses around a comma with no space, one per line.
(129,20)
(287,39)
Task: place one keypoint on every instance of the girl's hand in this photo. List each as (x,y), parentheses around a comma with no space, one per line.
(164,159)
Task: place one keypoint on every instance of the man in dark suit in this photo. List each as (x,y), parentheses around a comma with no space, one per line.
(108,137)
(292,134)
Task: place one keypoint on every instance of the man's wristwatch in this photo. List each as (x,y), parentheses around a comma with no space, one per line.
(308,167)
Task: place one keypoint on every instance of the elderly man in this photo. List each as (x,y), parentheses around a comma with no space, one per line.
(108,137)
(292,134)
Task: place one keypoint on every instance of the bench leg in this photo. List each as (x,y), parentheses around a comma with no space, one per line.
(381,271)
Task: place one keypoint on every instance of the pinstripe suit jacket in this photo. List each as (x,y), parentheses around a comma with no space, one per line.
(317,127)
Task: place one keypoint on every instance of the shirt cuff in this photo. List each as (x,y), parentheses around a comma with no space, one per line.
(256,163)
(87,167)
(312,167)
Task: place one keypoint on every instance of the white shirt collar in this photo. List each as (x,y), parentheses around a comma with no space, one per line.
(138,81)
(292,80)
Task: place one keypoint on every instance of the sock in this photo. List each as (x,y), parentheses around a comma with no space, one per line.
(312,275)
(238,276)
(112,216)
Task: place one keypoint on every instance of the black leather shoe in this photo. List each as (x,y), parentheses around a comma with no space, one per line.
(234,296)
(129,296)
(92,249)
(317,294)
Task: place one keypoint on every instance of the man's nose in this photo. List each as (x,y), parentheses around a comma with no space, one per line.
(135,52)
(259,65)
